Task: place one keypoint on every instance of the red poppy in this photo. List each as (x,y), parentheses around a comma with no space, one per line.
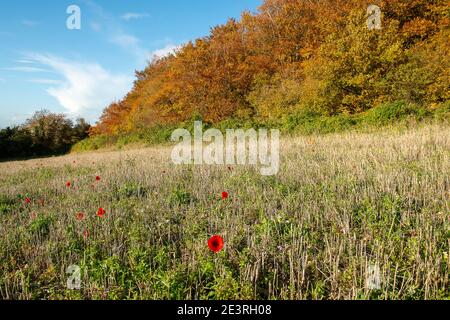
(97,178)
(101,212)
(27,200)
(68,184)
(224,195)
(80,216)
(215,243)
(86,234)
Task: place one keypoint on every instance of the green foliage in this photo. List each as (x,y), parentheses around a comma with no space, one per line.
(44,134)
(308,122)
(41,225)
(391,113)
(303,121)
(150,136)
(7,204)
(93,143)
(131,189)
(442,112)
(180,196)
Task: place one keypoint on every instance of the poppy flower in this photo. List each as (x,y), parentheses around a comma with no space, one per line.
(224,195)
(80,216)
(215,243)
(101,212)
(97,178)
(86,234)
(27,200)
(68,184)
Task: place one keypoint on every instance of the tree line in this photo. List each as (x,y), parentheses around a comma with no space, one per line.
(45,133)
(292,56)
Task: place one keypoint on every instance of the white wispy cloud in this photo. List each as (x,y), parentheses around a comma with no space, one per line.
(97,27)
(113,30)
(45,81)
(163,52)
(27,69)
(125,40)
(133,15)
(132,45)
(24,61)
(110,27)
(86,87)
(30,23)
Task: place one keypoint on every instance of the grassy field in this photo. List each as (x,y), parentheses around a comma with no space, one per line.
(341,206)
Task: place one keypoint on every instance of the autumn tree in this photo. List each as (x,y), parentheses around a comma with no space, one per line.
(294,54)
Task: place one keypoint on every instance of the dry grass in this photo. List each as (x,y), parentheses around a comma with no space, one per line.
(340,204)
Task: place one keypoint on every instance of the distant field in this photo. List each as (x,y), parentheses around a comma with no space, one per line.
(342,206)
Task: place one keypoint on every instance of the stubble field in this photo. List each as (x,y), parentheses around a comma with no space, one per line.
(349,216)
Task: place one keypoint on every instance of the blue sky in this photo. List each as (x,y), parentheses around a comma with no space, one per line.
(43,64)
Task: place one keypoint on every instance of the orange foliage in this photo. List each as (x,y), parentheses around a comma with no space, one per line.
(220,76)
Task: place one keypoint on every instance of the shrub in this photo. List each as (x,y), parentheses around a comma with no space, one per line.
(392,112)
